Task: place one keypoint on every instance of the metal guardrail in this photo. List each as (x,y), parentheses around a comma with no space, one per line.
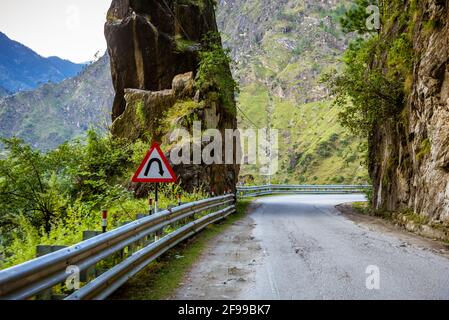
(26,280)
(256,191)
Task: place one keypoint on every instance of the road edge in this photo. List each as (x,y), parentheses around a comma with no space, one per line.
(389,227)
(160,280)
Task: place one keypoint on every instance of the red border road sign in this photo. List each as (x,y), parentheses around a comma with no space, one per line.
(146,165)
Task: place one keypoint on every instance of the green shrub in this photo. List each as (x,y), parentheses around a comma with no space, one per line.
(378,68)
(363,93)
(214,73)
(51,198)
(400,57)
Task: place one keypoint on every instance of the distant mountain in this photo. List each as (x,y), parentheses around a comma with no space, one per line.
(55,113)
(66,67)
(4,92)
(23,69)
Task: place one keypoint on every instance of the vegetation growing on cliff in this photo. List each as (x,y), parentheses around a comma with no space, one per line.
(424,150)
(376,77)
(214,73)
(365,95)
(183,114)
(185,45)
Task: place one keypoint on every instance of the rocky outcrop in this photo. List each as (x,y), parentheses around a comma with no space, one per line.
(410,157)
(146,110)
(150,42)
(154,50)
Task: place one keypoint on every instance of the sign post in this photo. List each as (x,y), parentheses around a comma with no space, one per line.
(156,208)
(155,168)
(150,206)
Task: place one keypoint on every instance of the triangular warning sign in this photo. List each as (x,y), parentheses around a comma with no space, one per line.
(155,168)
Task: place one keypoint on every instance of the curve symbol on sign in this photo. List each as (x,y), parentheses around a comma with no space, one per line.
(150,163)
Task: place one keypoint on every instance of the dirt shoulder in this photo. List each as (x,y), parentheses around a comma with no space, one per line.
(226,265)
(161,279)
(388,227)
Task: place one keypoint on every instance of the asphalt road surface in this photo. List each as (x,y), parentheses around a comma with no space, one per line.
(300,247)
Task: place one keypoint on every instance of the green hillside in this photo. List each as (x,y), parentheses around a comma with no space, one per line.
(282,49)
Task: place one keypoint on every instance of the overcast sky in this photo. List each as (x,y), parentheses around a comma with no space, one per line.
(70,29)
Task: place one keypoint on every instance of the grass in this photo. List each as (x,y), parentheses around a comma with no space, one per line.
(366,209)
(253,100)
(362,207)
(161,278)
(415,218)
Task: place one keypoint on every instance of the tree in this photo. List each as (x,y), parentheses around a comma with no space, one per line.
(362,92)
(40,186)
(28,187)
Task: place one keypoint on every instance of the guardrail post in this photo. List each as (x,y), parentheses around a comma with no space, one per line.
(43,250)
(159,233)
(156,199)
(91,271)
(132,247)
(104,221)
(144,241)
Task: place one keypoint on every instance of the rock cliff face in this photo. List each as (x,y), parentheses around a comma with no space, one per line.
(410,158)
(154,47)
(144,38)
